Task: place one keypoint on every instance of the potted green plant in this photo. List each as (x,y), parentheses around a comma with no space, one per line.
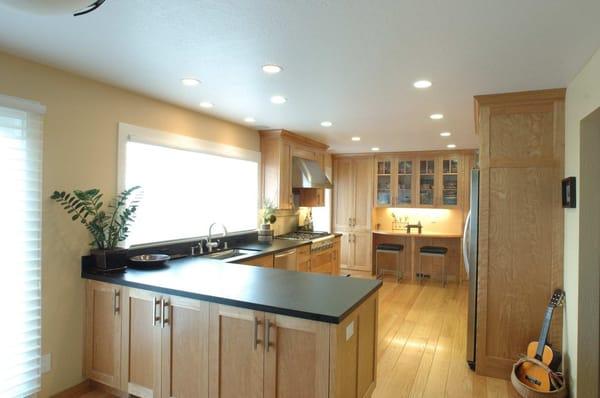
(268,217)
(107,228)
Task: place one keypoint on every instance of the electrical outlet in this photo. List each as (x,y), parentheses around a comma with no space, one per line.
(46,363)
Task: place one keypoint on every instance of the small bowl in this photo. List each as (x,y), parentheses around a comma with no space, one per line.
(149,260)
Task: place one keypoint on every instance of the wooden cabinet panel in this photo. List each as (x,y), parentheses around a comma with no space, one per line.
(286,197)
(262,261)
(236,352)
(103,333)
(343,193)
(521,223)
(297,360)
(337,252)
(362,251)
(322,262)
(142,347)
(363,185)
(346,250)
(185,349)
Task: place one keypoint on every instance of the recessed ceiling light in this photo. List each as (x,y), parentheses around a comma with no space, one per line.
(422,84)
(355,138)
(326,123)
(446,134)
(249,119)
(271,69)
(278,99)
(190,82)
(206,104)
(450,146)
(436,116)
(375,148)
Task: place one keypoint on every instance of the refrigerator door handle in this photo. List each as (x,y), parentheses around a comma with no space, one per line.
(464,243)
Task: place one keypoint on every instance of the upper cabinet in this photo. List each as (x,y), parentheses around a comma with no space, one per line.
(420,179)
(277,148)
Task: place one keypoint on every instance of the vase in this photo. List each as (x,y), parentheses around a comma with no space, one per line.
(265,233)
(110,259)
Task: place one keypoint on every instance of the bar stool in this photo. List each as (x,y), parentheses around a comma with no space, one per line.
(388,248)
(433,251)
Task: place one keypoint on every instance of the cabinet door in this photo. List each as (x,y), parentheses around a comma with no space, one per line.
(236,352)
(451,171)
(286,197)
(346,250)
(142,344)
(427,183)
(362,251)
(404,183)
(384,195)
(103,333)
(343,193)
(363,188)
(337,249)
(185,348)
(296,358)
(262,261)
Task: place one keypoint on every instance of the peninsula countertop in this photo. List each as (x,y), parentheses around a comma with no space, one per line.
(298,294)
(424,234)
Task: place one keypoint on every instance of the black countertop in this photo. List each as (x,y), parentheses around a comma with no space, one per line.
(275,246)
(298,294)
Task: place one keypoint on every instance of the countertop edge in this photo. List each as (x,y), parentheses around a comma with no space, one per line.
(106,278)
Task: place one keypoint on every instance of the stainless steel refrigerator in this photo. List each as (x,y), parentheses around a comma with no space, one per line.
(470,239)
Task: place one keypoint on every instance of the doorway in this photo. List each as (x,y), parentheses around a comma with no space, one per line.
(588,355)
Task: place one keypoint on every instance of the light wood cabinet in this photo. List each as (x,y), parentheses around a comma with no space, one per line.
(261,261)
(304,258)
(103,333)
(520,223)
(173,346)
(337,252)
(165,346)
(353,199)
(236,365)
(277,148)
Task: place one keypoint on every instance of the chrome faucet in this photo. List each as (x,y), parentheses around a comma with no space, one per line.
(214,245)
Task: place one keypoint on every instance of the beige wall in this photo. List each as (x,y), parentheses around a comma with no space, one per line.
(433,220)
(583,97)
(80,151)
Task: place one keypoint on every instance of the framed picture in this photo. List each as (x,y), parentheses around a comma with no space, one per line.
(569,193)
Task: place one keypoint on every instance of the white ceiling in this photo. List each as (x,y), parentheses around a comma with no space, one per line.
(349,61)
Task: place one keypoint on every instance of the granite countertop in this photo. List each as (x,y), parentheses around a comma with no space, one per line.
(424,234)
(298,294)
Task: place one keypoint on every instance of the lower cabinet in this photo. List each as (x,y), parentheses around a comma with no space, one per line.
(151,345)
(356,250)
(262,261)
(103,333)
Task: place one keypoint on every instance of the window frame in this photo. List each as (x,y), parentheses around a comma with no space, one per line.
(128,132)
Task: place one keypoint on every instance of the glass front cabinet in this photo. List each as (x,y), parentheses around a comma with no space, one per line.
(425,181)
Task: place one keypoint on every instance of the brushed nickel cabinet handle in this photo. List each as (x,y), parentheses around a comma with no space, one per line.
(164,317)
(256,340)
(155,314)
(116,302)
(267,334)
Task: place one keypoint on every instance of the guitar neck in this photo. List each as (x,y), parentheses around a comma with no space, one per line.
(544,333)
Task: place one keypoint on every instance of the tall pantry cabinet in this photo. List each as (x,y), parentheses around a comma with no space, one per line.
(353,200)
(520,224)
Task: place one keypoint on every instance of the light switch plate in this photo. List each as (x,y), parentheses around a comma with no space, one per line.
(350,331)
(46,363)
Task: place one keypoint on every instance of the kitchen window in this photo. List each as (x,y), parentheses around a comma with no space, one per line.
(21,218)
(187,184)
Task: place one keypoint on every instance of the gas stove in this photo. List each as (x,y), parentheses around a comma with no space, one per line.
(320,240)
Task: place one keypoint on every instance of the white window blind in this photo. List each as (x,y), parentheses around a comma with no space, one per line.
(187,185)
(20,234)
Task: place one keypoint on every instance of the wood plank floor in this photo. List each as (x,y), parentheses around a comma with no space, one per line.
(422,345)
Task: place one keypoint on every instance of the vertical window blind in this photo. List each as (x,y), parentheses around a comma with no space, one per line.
(20,234)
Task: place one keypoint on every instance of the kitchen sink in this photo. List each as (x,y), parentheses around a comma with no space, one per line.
(230,253)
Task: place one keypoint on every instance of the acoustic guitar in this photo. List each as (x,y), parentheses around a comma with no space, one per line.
(535,376)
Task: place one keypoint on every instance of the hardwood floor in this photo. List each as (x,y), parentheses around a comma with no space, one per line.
(422,345)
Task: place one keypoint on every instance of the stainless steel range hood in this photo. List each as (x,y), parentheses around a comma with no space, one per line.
(308,174)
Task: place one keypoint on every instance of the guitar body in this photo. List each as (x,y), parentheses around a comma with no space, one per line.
(535,376)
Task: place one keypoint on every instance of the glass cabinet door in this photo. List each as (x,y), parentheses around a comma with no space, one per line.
(450,182)
(426,182)
(405,172)
(384,183)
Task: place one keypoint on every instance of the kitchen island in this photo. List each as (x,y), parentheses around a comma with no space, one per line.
(206,328)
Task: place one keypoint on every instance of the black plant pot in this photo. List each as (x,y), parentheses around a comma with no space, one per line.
(110,260)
